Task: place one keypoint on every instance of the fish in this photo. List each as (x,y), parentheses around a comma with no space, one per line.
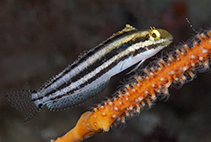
(89,74)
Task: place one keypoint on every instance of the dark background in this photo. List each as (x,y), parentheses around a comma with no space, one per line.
(39,38)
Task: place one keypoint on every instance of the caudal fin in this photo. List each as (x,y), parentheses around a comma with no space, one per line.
(22,101)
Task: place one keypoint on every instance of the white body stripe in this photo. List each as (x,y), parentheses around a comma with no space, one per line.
(115,70)
(84,65)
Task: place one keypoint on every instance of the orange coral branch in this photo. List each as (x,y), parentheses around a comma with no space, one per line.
(176,69)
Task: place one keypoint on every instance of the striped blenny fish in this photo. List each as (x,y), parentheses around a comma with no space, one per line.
(91,72)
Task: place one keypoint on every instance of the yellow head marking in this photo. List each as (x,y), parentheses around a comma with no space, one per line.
(154,34)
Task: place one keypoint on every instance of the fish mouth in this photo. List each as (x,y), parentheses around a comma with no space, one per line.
(167,42)
(170,39)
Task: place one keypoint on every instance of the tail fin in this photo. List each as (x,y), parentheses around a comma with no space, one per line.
(22,101)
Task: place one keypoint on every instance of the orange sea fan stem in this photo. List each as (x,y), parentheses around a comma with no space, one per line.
(143,90)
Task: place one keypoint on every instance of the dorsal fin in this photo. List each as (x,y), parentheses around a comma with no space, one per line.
(82,54)
(126,29)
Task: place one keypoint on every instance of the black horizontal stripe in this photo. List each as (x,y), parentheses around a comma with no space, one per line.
(141,50)
(138,51)
(99,62)
(107,57)
(88,54)
(153,46)
(94,77)
(104,70)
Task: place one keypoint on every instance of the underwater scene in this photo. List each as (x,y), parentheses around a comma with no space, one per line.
(129,71)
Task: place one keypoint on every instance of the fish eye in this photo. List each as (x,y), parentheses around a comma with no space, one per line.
(154,35)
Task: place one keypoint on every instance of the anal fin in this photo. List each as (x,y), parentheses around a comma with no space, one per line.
(74,100)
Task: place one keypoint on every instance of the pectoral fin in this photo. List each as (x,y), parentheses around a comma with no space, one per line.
(137,66)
